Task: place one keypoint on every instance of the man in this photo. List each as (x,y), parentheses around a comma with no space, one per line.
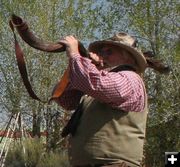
(111,130)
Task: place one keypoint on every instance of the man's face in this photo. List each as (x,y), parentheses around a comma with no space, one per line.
(113,56)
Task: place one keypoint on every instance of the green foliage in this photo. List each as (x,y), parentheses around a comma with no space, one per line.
(177,51)
(157,21)
(32,153)
(54,160)
(14,157)
(33,150)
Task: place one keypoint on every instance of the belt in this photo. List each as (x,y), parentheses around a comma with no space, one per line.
(123,164)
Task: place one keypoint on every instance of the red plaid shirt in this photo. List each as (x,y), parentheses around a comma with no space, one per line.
(123,90)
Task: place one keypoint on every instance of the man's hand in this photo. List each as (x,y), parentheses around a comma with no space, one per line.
(97,60)
(71,45)
(72,48)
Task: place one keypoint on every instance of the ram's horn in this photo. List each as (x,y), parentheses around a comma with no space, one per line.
(35,42)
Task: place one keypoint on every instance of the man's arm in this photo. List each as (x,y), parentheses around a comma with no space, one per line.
(70,98)
(123,90)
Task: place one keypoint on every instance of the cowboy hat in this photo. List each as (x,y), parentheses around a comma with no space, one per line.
(124,41)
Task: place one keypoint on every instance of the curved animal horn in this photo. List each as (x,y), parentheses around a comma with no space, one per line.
(31,39)
(35,42)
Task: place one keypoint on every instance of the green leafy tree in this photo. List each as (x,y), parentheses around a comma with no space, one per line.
(158,22)
(50,20)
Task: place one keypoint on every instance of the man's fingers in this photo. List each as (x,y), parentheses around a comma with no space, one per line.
(94,57)
(63,41)
(97,60)
(66,40)
(71,44)
(69,38)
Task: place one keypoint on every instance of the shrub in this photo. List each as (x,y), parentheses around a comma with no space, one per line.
(32,153)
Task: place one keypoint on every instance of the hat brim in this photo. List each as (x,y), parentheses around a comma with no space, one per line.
(138,55)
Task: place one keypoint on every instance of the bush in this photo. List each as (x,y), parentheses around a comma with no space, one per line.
(32,154)
(53,160)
